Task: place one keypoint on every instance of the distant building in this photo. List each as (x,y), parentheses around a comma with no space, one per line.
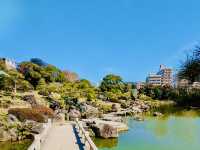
(163,77)
(10,64)
(166,74)
(154,79)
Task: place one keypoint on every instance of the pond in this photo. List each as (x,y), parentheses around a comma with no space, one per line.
(177,130)
(22,145)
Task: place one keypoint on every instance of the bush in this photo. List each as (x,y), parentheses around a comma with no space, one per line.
(44,92)
(44,111)
(125,104)
(5,102)
(113,97)
(105,107)
(145,98)
(41,85)
(188,97)
(38,114)
(24,86)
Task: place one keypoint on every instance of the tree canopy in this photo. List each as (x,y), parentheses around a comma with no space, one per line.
(112,83)
(38,62)
(190,68)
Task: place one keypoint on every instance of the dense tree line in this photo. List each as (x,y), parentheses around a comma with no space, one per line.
(39,75)
(189,95)
(61,85)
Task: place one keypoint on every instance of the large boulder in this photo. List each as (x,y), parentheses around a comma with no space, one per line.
(60,117)
(34,127)
(91,112)
(115,108)
(7,135)
(136,110)
(12,119)
(97,122)
(105,131)
(13,133)
(73,114)
(4,135)
(110,117)
(30,99)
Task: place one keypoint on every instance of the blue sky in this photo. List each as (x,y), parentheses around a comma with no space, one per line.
(130,38)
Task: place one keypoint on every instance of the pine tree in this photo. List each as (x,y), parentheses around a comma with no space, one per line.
(41,84)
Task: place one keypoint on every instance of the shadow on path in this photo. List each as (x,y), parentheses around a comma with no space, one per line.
(78,139)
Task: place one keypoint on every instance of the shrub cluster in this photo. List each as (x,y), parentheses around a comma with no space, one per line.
(187,97)
(157,92)
(38,114)
(44,111)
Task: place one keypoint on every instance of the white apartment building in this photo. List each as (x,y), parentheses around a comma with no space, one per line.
(166,74)
(163,77)
(154,79)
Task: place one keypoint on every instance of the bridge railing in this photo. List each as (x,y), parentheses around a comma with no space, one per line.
(39,138)
(89,144)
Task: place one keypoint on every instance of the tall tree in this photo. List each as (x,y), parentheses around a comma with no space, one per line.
(41,84)
(38,62)
(31,72)
(112,83)
(190,68)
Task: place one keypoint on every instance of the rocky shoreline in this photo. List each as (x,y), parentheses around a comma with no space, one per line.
(111,124)
(103,125)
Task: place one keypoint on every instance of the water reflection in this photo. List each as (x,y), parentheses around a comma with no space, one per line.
(159,127)
(106,143)
(177,129)
(22,145)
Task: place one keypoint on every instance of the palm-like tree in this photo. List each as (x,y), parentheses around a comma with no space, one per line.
(190,69)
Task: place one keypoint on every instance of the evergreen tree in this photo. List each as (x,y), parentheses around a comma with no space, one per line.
(41,84)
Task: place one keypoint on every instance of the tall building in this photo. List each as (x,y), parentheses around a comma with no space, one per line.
(166,74)
(154,79)
(163,77)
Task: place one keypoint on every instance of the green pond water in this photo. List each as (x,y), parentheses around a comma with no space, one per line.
(22,145)
(177,130)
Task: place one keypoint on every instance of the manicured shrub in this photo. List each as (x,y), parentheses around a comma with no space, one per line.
(188,97)
(44,111)
(103,106)
(27,114)
(38,114)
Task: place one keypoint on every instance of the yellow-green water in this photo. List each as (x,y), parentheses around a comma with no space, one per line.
(174,131)
(22,145)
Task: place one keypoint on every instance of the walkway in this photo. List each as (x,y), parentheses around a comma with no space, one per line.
(61,137)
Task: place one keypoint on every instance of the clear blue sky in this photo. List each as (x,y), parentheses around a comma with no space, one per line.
(94,37)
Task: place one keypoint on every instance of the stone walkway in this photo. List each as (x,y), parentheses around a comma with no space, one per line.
(62,137)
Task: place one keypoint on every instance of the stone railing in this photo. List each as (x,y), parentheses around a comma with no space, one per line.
(89,144)
(39,138)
